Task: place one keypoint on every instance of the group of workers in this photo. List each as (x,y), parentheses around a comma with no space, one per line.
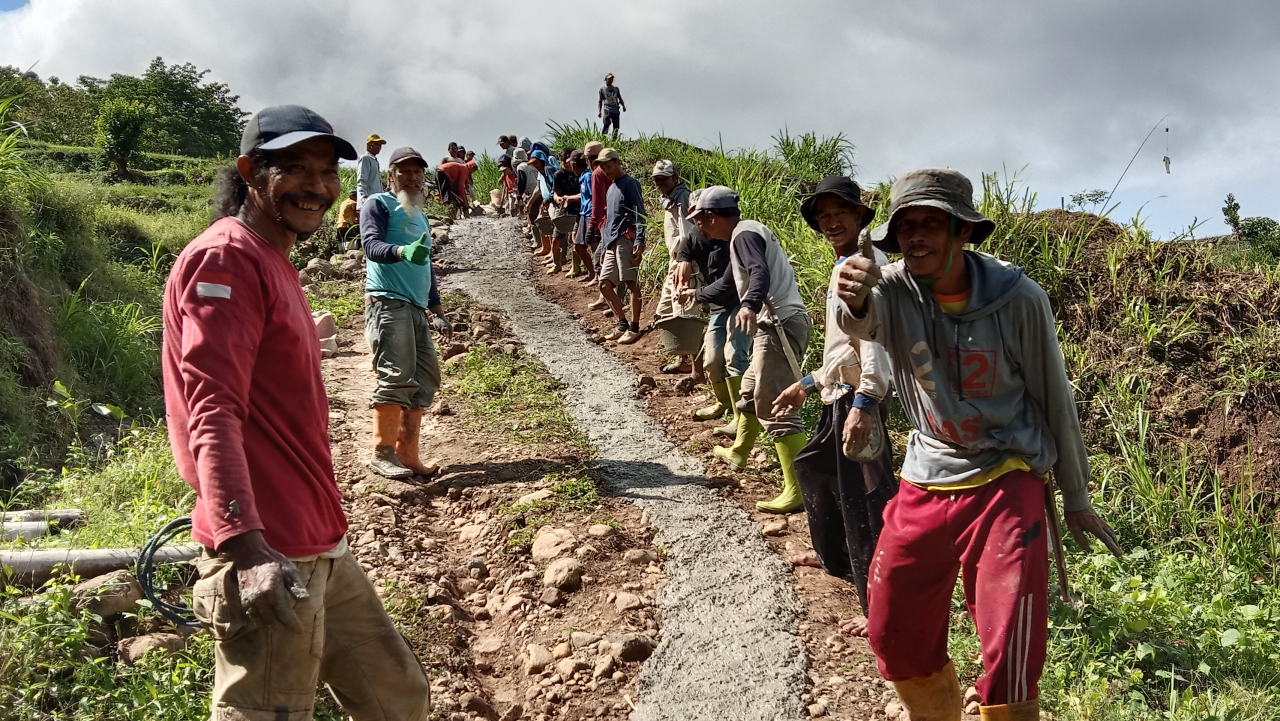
(966,341)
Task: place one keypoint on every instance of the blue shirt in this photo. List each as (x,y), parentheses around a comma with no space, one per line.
(584,185)
(384,225)
(624,208)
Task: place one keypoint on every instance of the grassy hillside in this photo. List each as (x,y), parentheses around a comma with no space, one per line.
(1173,355)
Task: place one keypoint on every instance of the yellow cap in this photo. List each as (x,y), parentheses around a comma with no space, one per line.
(374,138)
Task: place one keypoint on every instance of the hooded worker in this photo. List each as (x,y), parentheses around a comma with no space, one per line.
(981,377)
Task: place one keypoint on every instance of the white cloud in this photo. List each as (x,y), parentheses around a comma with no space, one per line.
(1067,90)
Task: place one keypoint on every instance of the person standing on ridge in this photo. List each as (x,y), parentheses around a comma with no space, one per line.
(286,602)
(610,105)
(368,172)
(402,306)
(981,377)
(773,311)
(623,241)
(844,499)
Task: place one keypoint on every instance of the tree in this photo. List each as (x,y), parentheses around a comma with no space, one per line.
(121,124)
(1231,212)
(190,117)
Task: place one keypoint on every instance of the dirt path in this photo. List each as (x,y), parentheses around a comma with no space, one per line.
(729,647)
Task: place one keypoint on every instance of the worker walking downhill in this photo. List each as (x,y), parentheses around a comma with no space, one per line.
(980,374)
(402,306)
(844,498)
(773,312)
(622,239)
(610,105)
(287,604)
(368,172)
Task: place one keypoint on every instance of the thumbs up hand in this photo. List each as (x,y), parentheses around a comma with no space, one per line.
(416,252)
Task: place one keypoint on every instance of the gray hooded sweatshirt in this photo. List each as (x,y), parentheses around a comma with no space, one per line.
(981,386)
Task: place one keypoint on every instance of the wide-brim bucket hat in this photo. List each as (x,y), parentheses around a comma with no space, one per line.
(940,188)
(841,186)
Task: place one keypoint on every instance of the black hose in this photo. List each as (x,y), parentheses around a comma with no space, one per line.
(180,615)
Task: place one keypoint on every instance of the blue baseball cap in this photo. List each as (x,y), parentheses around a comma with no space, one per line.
(281,126)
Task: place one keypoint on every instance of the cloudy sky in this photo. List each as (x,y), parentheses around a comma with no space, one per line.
(1062,92)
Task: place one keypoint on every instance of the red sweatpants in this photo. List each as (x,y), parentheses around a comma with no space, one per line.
(996,535)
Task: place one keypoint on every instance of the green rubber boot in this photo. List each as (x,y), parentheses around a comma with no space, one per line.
(737,454)
(790,499)
(722,404)
(730,429)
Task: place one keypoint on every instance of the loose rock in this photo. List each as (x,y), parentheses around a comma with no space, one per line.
(564,574)
(601,530)
(567,667)
(108,595)
(552,542)
(552,597)
(132,649)
(538,659)
(477,705)
(632,647)
(539,495)
(640,556)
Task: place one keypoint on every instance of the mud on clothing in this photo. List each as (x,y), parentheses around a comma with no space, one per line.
(771,371)
(347,641)
(995,536)
(984,388)
(844,499)
(245,404)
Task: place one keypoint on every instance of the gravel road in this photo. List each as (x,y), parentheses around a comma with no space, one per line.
(729,647)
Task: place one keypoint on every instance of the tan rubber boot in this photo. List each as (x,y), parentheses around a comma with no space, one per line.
(1021,711)
(407,444)
(386,429)
(935,697)
(720,390)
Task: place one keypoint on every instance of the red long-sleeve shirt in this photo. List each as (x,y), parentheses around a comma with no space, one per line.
(247,411)
(599,191)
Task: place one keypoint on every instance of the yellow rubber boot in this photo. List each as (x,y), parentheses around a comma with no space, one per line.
(386,430)
(1021,711)
(721,391)
(737,454)
(935,697)
(790,499)
(730,429)
(407,444)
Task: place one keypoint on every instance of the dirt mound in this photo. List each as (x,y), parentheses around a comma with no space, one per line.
(23,315)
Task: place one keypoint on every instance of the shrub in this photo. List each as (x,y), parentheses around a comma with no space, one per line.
(121,124)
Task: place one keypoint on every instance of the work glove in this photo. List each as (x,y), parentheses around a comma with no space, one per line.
(416,252)
(442,326)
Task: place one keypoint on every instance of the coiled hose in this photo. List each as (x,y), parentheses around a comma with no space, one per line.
(146,569)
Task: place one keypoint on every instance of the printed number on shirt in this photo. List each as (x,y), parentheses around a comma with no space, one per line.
(977,372)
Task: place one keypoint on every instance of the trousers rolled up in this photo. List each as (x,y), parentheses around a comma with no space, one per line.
(347,642)
(995,536)
(844,500)
(404,355)
(771,372)
(726,351)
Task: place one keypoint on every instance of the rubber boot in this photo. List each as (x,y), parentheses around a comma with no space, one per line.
(386,429)
(730,429)
(737,454)
(788,448)
(721,391)
(407,444)
(935,697)
(1021,711)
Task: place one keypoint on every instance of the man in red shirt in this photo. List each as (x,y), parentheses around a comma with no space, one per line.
(451,180)
(284,599)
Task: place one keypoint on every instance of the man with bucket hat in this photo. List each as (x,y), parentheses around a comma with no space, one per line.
(773,312)
(844,492)
(284,599)
(980,374)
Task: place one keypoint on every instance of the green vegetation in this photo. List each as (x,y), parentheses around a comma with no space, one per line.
(169,109)
(570,490)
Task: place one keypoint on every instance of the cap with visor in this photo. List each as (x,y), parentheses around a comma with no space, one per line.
(940,188)
(374,138)
(608,154)
(282,126)
(664,169)
(717,197)
(400,155)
